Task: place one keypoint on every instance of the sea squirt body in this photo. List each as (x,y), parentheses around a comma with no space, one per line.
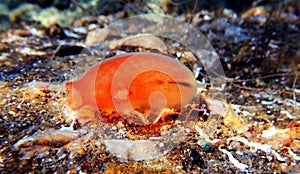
(144,82)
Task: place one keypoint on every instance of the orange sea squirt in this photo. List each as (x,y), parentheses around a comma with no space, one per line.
(143,82)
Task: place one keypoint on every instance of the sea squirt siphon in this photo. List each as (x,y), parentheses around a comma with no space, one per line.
(142,82)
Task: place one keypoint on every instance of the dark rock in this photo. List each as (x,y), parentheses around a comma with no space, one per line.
(55,31)
(4,22)
(238,6)
(42,3)
(109,7)
(193,160)
(59,4)
(68,50)
(12,4)
(192,5)
(196,158)
(62,4)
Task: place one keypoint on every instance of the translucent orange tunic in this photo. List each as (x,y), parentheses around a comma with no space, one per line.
(135,81)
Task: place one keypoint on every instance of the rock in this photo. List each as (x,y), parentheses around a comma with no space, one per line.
(96,36)
(62,4)
(4,22)
(205,145)
(68,50)
(55,138)
(142,40)
(109,7)
(137,150)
